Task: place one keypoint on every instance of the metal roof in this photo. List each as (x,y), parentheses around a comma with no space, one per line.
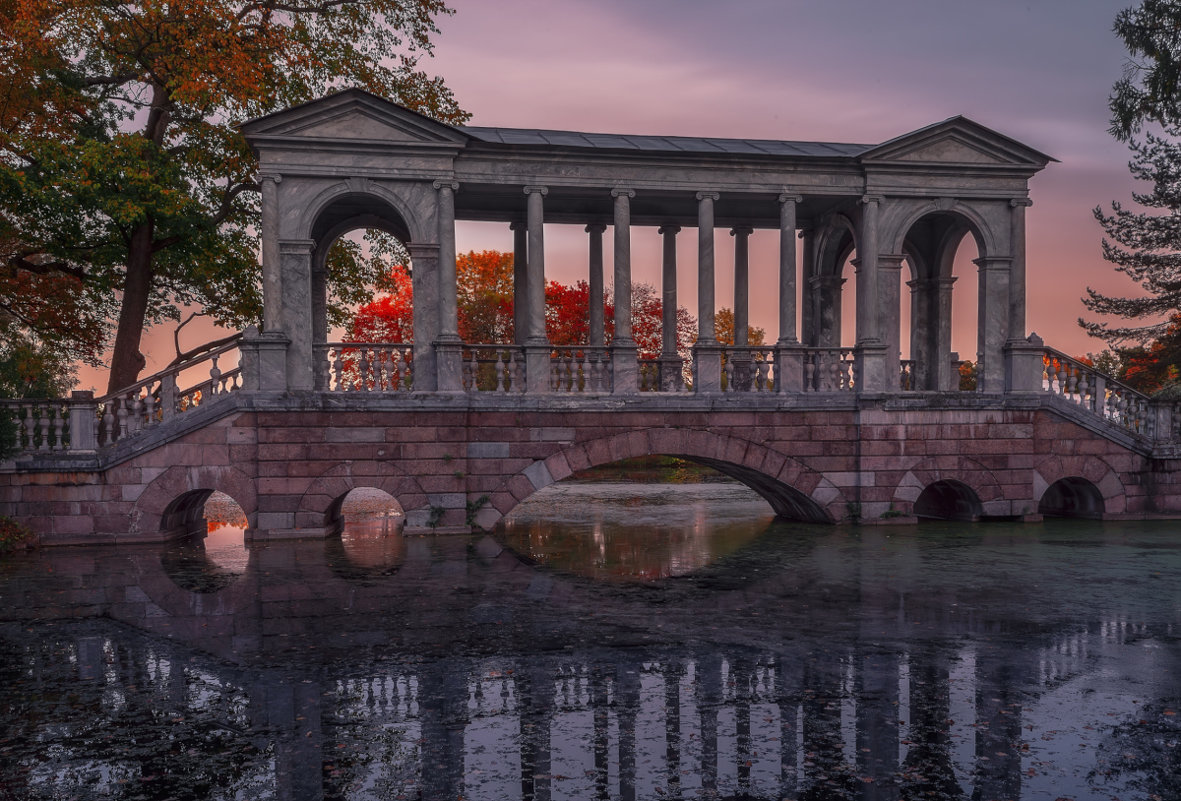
(663,144)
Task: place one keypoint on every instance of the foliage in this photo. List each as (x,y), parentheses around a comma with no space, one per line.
(724,329)
(14,536)
(120,163)
(967,376)
(29,369)
(1145,244)
(485,309)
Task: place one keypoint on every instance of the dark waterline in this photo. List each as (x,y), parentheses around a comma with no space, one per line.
(610,643)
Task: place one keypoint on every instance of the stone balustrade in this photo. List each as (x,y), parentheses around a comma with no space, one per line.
(829,370)
(1099,394)
(494,368)
(748,369)
(365,367)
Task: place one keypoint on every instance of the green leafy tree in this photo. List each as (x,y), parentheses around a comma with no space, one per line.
(120,162)
(1145,243)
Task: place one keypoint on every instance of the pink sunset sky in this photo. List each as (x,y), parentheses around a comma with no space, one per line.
(860,71)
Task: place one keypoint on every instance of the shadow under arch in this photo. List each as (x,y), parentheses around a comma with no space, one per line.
(794,491)
(1072,496)
(948,499)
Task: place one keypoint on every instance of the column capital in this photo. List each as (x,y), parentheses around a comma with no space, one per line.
(423,250)
(868,198)
(538,190)
(623,192)
(296,247)
(446,183)
(994,262)
(708,195)
(790,197)
(892,261)
(669,229)
(741,230)
(270,176)
(518,225)
(1020,201)
(595,228)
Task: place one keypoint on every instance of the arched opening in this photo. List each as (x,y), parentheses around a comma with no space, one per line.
(948,499)
(368,540)
(650,517)
(944,332)
(362,289)
(1072,497)
(207,550)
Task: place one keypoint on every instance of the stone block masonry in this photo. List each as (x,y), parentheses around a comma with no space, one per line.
(451,469)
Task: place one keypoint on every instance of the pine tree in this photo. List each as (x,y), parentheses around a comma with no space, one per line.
(1145,243)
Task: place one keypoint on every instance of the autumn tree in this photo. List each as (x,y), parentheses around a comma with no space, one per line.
(120,162)
(724,329)
(1145,244)
(484,293)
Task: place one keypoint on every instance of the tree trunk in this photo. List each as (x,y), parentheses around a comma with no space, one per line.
(127,362)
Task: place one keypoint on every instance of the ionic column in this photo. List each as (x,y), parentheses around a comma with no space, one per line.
(889,318)
(425,284)
(1017,268)
(705,267)
(520,281)
(448,345)
(707,355)
(872,373)
(809,312)
(537,348)
(741,236)
(624,368)
(295,260)
(535,275)
(787,269)
(922,334)
(272,278)
(623,267)
(945,378)
(598,337)
(670,358)
(992,323)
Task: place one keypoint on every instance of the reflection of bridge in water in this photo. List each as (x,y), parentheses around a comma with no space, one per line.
(860,685)
(461,432)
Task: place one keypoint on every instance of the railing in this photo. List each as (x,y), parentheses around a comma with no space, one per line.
(83,423)
(365,367)
(494,368)
(39,425)
(829,370)
(1098,393)
(580,369)
(748,369)
(159,398)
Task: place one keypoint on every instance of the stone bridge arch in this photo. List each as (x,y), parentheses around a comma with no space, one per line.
(1095,470)
(953,468)
(794,490)
(319,505)
(157,507)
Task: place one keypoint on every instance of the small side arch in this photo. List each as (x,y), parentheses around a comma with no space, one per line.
(957,213)
(1090,469)
(319,506)
(365,200)
(177,497)
(948,499)
(1073,496)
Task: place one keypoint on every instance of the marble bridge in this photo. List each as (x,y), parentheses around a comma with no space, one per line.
(287,422)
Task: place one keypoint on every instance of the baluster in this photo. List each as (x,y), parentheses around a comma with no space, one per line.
(107,427)
(518,371)
(762,382)
(1061,376)
(134,413)
(214,377)
(59,427)
(499,374)
(149,408)
(728,372)
(121,416)
(470,367)
(337,368)
(838,371)
(25,427)
(43,428)
(579,371)
(809,372)
(363,364)
(1072,381)
(568,363)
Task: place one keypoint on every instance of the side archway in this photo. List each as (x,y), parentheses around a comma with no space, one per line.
(1074,471)
(1072,496)
(319,506)
(177,497)
(953,471)
(948,499)
(794,490)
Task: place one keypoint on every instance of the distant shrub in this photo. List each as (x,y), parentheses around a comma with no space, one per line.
(15,536)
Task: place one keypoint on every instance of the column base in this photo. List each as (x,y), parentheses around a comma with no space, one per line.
(871,367)
(449,364)
(672,377)
(1024,364)
(537,368)
(707,367)
(789,367)
(625,371)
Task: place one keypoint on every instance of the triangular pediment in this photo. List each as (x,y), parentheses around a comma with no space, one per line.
(354,115)
(958,141)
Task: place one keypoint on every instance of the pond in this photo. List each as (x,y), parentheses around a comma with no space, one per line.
(612,641)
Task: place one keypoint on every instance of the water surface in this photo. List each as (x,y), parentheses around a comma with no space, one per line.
(665,642)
